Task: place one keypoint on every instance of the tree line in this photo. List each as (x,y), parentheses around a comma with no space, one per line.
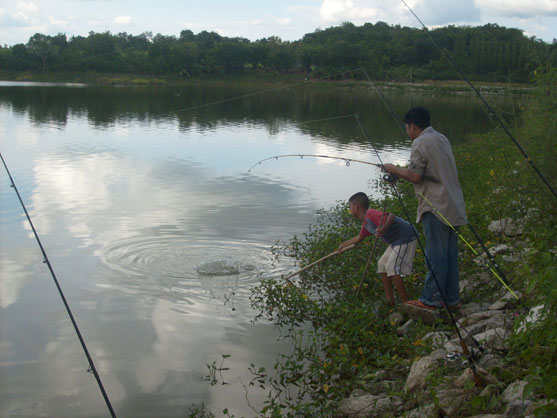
(386,52)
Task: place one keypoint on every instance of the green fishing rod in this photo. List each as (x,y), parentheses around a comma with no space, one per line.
(503,281)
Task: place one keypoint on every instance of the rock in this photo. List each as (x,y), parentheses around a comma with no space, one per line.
(396,318)
(488,416)
(516,409)
(494,338)
(418,373)
(472,308)
(514,391)
(497,306)
(403,329)
(495,321)
(507,301)
(439,354)
(428,316)
(453,346)
(451,400)
(534,405)
(506,227)
(489,361)
(427,411)
(477,317)
(481,377)
(535,315)
(437,339)
(498,248)
(466,376)
(369,406)
(486,377)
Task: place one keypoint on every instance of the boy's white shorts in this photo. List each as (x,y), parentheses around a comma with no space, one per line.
(397,259)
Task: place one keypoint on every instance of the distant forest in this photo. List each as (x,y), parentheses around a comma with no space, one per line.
(489,53)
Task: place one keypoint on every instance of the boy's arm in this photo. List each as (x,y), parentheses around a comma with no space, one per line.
(382,229)
(356,240)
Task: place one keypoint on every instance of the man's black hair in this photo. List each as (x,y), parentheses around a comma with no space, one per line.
(419,116)
(361,199)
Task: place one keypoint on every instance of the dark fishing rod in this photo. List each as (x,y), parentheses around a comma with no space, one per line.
(491,259)
(465,350)
(486,104)
(92,368)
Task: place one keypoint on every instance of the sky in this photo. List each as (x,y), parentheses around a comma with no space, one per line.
(256,19)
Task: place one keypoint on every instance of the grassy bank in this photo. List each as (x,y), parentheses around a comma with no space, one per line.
(341,342)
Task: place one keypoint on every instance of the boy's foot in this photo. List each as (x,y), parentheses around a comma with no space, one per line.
(420,304)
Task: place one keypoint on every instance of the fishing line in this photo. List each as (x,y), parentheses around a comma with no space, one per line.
(92,368)
(260,92)
(489,108)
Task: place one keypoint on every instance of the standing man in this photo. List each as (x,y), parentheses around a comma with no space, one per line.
(432,158)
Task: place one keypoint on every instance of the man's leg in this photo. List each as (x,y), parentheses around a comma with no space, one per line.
(436,242)
(451,285)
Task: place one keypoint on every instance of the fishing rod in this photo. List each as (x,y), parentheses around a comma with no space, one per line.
(372,250)
(92,368)
(486,104)
(402,128)
(501,279)
(336,252)
(387,176)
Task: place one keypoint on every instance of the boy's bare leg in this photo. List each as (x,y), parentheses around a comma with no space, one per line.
(388,288)
(401,289)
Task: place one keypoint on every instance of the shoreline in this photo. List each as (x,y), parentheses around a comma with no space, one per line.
(99,79)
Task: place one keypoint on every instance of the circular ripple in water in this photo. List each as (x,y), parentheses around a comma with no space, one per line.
(183,267)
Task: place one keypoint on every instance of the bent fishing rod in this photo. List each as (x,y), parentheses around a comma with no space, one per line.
(388,177)
(92,368)
(486,104)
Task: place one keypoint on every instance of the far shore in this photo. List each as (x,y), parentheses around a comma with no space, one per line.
(266,79)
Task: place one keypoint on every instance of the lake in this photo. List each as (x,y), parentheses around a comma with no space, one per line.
(156,231)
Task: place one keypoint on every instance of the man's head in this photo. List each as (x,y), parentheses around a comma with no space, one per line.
(416,120)
(358,205)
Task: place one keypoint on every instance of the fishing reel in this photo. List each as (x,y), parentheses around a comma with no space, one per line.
(390,178)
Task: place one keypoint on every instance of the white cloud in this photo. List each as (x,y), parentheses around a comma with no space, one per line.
(57,22)
(283,21)
(123,20)
(28,7)
(517,8)
(340,10)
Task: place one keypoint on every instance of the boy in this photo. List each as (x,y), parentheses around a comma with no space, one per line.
(399,234)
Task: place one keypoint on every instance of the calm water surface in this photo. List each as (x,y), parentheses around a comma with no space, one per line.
(133,192)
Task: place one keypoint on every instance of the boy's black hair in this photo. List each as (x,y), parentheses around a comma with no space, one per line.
(361,199)
(419,116)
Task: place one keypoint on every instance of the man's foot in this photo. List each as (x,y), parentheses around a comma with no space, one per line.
(420,304)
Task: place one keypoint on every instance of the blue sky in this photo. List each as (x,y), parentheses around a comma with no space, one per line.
(255,19)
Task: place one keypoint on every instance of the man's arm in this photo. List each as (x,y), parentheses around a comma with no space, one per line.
(404,173)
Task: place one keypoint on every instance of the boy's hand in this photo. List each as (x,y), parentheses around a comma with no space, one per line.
(379,231)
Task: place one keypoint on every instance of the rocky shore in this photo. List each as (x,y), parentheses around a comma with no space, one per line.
(445,381)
